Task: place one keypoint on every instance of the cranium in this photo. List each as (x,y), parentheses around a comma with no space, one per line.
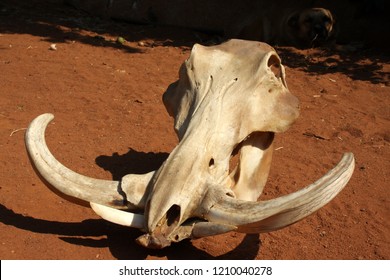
(229,98)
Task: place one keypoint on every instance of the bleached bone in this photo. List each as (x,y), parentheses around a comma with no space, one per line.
(123,218)
(229,99)
(76,186)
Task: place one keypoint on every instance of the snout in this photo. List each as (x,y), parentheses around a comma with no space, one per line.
(319,32)
(286,112)
(290,110)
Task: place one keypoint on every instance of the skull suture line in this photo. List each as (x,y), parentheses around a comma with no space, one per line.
(230,97)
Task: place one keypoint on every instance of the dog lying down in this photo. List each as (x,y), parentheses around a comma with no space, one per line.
(304,28)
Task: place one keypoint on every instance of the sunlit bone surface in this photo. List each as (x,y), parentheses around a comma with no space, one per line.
(229,101)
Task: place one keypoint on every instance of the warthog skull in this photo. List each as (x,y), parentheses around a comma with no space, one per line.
(230,99)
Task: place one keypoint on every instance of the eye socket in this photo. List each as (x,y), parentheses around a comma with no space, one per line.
(274,65)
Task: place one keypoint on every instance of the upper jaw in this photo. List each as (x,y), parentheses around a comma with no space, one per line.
(176,206)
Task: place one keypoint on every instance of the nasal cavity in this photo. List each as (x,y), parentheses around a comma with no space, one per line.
(274,65)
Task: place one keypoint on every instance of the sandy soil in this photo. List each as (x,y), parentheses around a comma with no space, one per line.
(110,121)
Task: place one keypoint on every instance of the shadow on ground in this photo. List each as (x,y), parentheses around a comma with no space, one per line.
(60,24)
(362,65)
(133,162)
(120,240)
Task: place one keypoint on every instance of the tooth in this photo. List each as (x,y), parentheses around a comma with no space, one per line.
(118,216)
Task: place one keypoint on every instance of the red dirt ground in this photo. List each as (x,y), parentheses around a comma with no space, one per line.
(110,121)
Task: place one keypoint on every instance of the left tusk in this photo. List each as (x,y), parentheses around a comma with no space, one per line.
(265,216)
(129,193)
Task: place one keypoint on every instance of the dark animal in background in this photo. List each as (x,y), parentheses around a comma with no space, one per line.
(310,27)
(303,28)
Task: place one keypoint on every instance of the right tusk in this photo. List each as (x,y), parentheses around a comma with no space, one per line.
(274,214)
(118,216)
(74,185)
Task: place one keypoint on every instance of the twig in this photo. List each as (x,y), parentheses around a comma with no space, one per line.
(310,134)
(17,130)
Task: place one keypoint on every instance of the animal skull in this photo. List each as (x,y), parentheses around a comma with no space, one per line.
(229,98)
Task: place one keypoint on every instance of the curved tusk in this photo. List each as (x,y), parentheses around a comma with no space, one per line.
(118,216)
(70,183)
(265,216)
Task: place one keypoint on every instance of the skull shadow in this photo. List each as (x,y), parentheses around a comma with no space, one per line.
(98,233)
(133,162)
